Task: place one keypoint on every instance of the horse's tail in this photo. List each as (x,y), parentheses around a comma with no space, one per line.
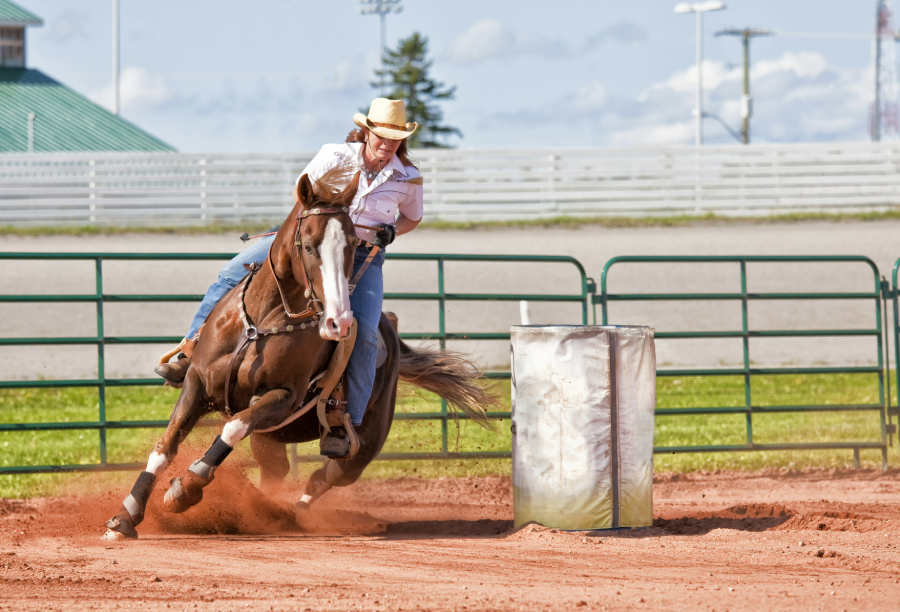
(452,376)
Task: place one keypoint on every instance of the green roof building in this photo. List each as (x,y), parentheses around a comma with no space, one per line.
(39,114)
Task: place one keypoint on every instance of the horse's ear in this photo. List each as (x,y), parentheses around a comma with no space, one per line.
(350,190)
(303,191)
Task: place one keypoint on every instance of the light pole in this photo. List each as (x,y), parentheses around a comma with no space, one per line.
(380,8)
(115,54)
(746,101)
(699,8)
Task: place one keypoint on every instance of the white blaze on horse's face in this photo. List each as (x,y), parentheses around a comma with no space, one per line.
(338,317)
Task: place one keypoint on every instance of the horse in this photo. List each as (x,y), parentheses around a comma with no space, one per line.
(257,362)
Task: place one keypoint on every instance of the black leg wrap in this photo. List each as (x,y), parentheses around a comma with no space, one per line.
(217,452)
(206,467)
(136,503)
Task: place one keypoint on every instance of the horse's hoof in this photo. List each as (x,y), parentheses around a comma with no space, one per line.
(178,500)
(114,536)
(118,530)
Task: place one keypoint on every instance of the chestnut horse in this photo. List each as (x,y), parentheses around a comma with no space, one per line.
(256,358)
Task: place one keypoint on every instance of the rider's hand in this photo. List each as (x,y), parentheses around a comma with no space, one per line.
(384,235)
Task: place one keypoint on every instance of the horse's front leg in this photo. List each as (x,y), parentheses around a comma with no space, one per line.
(265,411)
(188,410)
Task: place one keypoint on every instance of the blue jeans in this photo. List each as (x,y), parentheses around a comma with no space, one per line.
(366,306)
(365,303)
(232,274)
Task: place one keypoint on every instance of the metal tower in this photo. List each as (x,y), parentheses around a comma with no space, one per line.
(885,116)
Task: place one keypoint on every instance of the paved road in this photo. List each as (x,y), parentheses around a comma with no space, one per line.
(591,245)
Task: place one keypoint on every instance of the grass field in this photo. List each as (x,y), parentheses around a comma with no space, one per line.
(562,221)
(148,403)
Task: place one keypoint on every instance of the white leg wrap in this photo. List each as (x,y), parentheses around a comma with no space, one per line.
(157,463)
(306,499)
(234,432)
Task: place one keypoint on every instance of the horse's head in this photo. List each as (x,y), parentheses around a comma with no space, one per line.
(327,243)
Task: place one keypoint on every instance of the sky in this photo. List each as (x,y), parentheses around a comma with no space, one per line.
(287,75)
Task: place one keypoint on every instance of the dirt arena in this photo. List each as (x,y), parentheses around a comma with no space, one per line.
(721,541)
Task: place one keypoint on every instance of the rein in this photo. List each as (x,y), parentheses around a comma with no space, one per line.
(313,309)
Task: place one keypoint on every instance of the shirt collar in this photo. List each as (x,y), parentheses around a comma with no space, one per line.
(395,166)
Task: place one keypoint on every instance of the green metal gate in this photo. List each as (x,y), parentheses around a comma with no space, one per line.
(102,425)
(892,292)
(749,409)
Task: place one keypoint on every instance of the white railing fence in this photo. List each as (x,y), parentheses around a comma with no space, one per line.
(170,189)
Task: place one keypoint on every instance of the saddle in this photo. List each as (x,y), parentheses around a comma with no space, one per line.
(327,392)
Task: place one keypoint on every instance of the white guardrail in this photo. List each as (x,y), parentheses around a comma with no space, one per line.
(133,189)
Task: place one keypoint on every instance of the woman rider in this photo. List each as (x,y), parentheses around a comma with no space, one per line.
(389,198)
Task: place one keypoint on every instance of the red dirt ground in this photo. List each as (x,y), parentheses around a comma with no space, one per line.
(721,541)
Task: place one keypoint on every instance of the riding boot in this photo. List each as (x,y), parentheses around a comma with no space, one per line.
(174,371)
(336,443)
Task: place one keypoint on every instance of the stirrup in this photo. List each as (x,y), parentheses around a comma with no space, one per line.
(352,439)
(174,372)
(335,444)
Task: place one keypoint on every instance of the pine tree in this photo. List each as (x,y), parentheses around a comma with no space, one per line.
(406,76)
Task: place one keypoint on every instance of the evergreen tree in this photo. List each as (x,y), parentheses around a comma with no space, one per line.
(406,77)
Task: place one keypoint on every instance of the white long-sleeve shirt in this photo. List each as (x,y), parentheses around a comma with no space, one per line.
(393,191)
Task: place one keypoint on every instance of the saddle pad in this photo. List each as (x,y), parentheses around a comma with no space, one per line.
(382,351)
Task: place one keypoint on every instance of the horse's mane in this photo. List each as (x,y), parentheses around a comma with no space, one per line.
(329,186)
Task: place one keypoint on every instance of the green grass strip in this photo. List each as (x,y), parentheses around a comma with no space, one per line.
(147,403)
(564,222)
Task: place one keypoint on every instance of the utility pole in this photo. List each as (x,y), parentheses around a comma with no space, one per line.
(746,101)
(382,8)
(115,55)
(885,120)
(699,8)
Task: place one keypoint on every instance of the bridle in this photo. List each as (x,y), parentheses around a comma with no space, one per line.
(313,311)
(313,304)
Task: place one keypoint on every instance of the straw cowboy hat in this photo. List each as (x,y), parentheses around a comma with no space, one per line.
(387,119)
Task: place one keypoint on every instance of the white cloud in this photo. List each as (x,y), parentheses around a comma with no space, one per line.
(624,31)
(492,38)
(590,97)
(797,97)
(346,78)
(804,65)
(69,25)
(484,39)
(668,134)
(139,91)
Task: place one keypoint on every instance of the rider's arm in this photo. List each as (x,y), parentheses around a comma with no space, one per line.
(405,224)
(411,208)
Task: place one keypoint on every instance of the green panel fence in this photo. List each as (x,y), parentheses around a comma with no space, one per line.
(748,370)
(102,425)
(892,292)
(583,295)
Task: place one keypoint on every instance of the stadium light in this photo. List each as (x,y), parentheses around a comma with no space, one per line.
(380,8)
(699,8)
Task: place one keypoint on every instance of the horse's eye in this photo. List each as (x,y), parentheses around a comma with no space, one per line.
(308,248)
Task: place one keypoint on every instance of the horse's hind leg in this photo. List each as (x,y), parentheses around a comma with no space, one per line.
(185,415)
(266,411)
(316,487)
(273,462)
